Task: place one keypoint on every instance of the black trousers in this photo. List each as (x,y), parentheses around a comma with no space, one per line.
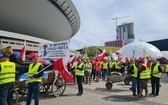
(155,82)
(80,86)
(138,86)
(93,74)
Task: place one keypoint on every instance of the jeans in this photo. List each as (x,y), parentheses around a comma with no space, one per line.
(6,94)
(33,89)
(134,85)
(80,86)
(155,82)
(105,73)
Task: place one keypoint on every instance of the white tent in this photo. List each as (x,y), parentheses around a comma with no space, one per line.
(138,49)
(165,54)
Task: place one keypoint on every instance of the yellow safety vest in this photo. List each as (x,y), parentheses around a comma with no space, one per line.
(117,66)
(79,72)
(135,70)
(7,73)
(145,74)
(166,68)
(111,64)
(32,71)
(88,66)
(155,70)
(105,65)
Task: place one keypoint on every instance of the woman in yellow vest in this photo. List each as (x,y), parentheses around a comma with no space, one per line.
(79,72)
(144,77)
(7,80)
(34,81)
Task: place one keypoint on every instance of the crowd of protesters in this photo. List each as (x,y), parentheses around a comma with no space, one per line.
(139,71)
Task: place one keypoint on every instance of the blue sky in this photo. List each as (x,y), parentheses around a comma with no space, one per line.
(149,17)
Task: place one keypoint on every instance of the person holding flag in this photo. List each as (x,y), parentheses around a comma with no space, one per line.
(35,72)
(34,80)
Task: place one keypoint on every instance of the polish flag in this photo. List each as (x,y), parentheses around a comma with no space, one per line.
(23,52)
(59,66)
(118,53)
(101,56)
(74,61)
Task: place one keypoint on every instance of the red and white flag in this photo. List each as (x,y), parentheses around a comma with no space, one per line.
(74,60)
(23,52)
(101,56)
(60,67)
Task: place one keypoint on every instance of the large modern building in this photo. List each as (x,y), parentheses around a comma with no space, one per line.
(37,21)
(125,35)
(126,32)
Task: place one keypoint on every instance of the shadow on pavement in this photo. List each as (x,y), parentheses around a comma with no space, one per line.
(71,84)
(121,98)
(68,95)
(44,96)
(109,90)
(123,85)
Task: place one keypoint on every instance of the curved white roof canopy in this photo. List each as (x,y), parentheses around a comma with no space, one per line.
(135,49)
(165,54)
(53,20)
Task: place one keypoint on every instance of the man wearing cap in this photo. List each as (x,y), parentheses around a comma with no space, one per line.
(7,80)
(155,77)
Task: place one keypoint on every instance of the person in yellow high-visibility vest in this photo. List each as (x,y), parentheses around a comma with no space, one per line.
(156,72)
(105,67)
(166,68)
(79,72)
(34,81)
(133,70)
(144,77)
(88,71)
(7,80)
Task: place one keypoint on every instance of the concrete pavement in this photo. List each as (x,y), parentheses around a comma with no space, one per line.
(97,94)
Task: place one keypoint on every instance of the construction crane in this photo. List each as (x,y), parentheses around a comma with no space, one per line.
(116,24)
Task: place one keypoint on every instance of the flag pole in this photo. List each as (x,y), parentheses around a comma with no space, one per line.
(45,68)
(133,53)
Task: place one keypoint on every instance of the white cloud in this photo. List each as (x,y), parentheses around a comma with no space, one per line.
(97,26)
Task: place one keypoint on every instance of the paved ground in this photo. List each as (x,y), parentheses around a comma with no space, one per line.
(97,94)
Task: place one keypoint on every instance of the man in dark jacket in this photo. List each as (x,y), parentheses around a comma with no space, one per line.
(12,57)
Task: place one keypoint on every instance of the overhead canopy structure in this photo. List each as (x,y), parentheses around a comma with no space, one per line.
(139,49)
(53,20)
(165,54)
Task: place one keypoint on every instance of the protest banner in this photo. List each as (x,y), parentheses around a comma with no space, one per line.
(54,50)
